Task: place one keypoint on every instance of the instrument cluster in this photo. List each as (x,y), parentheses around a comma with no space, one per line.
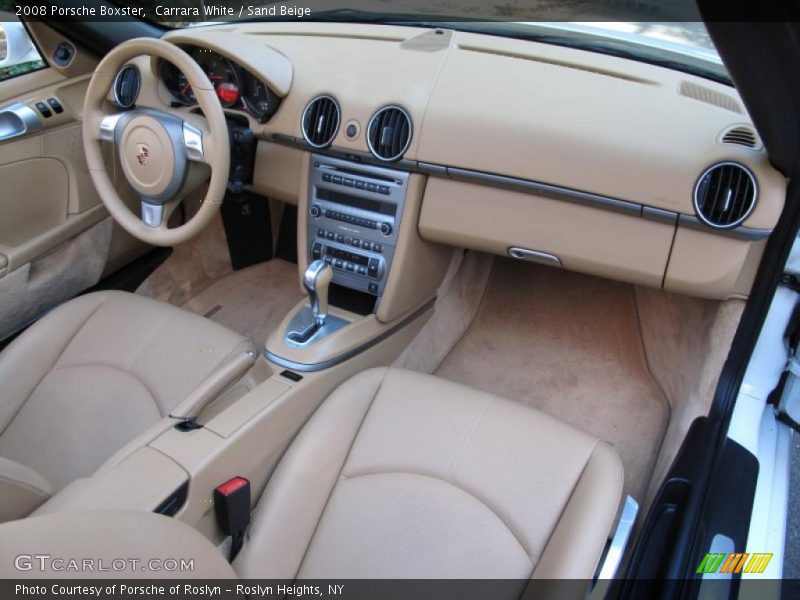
(236,88)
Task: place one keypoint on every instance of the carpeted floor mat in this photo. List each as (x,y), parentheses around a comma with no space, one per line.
(569,345)
(252,301)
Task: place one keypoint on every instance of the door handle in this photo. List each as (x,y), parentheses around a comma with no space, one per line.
(16,120)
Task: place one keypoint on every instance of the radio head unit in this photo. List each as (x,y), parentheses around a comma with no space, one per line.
(354,214)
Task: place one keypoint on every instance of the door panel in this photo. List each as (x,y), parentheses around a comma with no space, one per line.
(56,237)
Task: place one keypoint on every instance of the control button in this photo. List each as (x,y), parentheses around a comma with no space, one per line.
(372,268)
(350,267)
(373,287)
(348,182)
(347,218)
(339,238)
(372,224)
(315,210)
(359,184)
(384,189)
(316,250)
(356,243)
(330,235)
(326,177)
(337,179)
(338,263)
(377,248)
(56,105)
(328,259)
(42,108)
(348,240)
(371,187)
(386,229)
(320,233)
(362,270)
(366,245)
(351,130)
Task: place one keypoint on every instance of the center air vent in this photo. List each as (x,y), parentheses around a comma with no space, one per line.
(126,86)
(389,133)
(321,121)
(725,195)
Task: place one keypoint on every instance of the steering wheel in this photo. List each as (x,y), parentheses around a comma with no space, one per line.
(156,147)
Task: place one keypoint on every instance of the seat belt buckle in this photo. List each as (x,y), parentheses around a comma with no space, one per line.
(232,509)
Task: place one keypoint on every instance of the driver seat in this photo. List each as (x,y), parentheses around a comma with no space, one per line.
(94,374)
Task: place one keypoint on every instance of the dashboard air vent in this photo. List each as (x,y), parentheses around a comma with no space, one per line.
(725,195)
(742,136)
(321,121)
(126,86)
(389,133)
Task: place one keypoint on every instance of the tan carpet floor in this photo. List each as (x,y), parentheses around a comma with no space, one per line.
(252,301)
(569,345)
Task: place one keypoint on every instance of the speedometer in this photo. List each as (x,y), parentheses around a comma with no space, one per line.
(223,75)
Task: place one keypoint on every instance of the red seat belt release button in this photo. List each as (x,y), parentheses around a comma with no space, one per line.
(232,509)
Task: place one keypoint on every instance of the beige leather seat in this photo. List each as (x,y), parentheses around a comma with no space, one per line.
(397,475)
(93,374)
(403,475)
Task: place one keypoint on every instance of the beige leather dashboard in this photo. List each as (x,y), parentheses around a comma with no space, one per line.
(590,158)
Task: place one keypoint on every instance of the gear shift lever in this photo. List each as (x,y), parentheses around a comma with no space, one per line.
(316,280)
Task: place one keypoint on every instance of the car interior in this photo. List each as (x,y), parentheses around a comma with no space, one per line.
(450,310)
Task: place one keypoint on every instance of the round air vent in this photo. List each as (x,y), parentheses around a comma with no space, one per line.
(321,121)
(725,195)
(126,86)
(389,133)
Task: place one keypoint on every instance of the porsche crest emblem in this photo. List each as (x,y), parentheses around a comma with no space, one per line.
(142,154)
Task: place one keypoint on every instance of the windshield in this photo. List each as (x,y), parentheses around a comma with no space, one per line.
(665,32)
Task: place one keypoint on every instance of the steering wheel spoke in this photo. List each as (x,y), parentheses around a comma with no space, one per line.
(108,125)
(152,214)
(194,143)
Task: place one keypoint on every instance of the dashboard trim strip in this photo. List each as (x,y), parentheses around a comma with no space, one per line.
(739,233)
(538,188)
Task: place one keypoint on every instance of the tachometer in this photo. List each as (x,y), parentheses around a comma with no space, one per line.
(223,75)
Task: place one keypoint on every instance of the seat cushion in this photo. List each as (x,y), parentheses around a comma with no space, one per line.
(403,475)
(99,370)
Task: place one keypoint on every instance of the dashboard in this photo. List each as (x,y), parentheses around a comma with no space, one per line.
(236,87)
(600,164)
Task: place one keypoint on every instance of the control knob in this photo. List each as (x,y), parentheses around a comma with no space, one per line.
(386,229)
(315,210)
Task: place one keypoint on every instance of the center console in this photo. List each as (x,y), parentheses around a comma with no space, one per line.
(354,214)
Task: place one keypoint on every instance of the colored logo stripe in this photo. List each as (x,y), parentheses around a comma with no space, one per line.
(735,562)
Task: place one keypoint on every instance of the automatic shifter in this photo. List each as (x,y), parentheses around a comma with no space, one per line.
(316,280)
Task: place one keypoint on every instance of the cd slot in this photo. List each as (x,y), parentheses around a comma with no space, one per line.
(358,173)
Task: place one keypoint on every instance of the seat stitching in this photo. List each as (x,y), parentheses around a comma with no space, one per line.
(483,502)
(571,494)
(157,327)
(52,365)
(469,432)
(26,486)
(344,463)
